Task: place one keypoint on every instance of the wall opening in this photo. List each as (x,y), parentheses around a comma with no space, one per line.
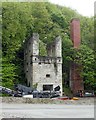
(39,63)
(47,75)
(47,87)
(29,84)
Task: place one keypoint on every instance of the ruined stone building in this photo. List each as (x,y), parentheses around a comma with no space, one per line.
(45,71)
(76,81)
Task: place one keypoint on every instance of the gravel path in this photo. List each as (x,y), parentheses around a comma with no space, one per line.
(81,101)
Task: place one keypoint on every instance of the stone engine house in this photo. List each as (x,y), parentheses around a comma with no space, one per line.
(45,71)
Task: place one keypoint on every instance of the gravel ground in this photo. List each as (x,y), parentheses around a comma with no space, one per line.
(83,101)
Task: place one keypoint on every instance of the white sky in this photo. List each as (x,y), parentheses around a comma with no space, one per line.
(84,7)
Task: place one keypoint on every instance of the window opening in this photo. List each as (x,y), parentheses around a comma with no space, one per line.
(47,75)
(47,87)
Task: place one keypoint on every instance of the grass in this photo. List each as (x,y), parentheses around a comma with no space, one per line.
(68,92)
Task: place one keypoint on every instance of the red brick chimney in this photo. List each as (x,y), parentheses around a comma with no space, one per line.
(75,32)
(76,81)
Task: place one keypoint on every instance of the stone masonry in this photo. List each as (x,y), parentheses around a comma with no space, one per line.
(76,81)
(43,71)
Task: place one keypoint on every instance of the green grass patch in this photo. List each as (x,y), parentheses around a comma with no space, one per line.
(68,92)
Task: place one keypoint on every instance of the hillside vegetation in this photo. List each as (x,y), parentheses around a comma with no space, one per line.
(20,20)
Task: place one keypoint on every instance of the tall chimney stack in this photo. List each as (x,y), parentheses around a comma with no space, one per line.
(76,81)
(75,32)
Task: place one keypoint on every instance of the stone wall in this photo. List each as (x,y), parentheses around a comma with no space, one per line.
(42,70)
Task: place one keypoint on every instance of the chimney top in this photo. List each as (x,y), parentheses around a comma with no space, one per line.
(76,19)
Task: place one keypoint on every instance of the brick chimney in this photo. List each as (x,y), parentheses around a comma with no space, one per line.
(76,81)
(75,32)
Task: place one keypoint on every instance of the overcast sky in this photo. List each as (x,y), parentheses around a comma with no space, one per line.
(84,7)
